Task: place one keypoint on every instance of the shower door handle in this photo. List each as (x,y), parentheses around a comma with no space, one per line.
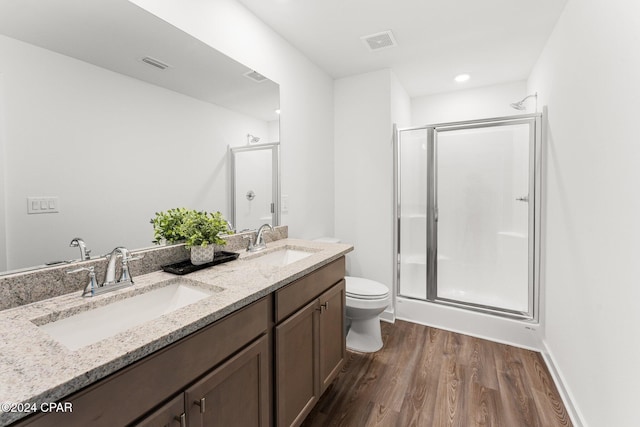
(522,199)
(435,214)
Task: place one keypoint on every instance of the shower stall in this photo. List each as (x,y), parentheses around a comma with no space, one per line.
(467,214)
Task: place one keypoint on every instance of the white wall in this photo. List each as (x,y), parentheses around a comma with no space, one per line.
(306,101)
(479,103)
(115,150)
(587,78)
(364,173)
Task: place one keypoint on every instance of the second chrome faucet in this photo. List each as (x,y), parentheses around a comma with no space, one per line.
(259,243)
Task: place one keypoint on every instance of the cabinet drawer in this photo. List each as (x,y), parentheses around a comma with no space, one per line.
(295,295)
(131,392)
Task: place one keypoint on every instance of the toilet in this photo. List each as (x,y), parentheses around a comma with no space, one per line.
(365,301)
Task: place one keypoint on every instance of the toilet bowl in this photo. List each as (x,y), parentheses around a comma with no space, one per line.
(366,299)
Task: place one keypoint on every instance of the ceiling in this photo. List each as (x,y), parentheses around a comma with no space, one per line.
(495,41)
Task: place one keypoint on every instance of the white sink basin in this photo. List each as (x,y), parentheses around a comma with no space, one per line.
(102,322)
(283,257)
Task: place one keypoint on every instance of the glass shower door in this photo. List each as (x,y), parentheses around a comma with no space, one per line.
(482,218)
(467,214)
(412,221)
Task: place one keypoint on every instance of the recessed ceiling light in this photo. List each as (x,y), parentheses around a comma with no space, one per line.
(278,111)
(461,78)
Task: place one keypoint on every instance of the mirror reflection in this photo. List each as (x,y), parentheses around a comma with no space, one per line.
(254,185)
(108,115)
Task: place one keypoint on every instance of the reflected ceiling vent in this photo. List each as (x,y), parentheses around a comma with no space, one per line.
(255,76)
(379,41)
(152,61)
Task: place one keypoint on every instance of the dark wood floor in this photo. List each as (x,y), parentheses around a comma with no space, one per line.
(428,377)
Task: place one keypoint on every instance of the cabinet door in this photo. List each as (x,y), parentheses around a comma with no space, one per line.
(170,414)
(332,339)
(234,394)
(296,376)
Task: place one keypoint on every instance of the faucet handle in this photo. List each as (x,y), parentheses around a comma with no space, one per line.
(126,275)
(90,269)
(89,290)
(132,258)
(250,244)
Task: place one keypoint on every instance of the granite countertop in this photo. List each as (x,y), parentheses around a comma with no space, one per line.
(36,369)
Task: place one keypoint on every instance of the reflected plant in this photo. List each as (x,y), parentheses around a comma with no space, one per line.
(166,226)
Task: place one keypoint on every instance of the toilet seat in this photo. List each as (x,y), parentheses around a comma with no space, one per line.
(365,289)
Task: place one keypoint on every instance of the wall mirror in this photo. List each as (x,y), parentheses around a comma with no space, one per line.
(255,185)
(109,114)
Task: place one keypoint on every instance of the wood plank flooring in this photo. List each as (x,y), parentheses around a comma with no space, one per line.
(427,377)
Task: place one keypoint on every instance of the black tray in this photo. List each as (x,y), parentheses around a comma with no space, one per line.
(185,267)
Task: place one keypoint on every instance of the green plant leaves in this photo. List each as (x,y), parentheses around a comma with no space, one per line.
(195,228)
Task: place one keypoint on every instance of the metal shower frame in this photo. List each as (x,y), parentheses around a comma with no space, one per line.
(535,189)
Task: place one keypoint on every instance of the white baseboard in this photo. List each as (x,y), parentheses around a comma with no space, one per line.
(388,316)
(565,394)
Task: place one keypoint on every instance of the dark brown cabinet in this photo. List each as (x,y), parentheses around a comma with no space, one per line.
(309,352)
(297,379)
(332,348)
(171,414)
(234,394)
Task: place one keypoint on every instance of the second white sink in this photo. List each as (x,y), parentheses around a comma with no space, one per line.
(283,257)
(102,322)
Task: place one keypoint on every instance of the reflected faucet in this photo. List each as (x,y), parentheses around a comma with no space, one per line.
(77,242)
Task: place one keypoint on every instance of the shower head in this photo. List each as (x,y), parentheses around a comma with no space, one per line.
(520,104)
(252,139)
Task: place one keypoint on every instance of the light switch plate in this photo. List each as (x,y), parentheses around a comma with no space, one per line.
(42,205)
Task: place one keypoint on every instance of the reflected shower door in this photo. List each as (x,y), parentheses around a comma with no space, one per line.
(482,214)
(254,186)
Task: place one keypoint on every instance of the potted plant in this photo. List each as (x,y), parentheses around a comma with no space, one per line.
(201,231)
(166,226)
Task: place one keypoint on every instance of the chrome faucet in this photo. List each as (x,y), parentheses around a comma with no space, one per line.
(110,273)
(77,242)
(259,243)
(110,283)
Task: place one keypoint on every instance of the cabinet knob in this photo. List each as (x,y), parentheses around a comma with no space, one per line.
(200,403)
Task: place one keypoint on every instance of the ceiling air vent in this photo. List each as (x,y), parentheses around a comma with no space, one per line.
(255,76)
(379,41)
(154,62)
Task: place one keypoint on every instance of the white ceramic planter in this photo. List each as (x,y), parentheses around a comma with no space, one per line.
(202,255)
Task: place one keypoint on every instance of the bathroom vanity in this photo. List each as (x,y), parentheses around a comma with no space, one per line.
(258,351)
